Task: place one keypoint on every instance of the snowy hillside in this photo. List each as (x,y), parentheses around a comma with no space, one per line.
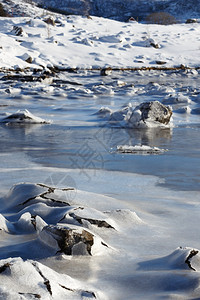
(115,9)
(35,44)
(122,10)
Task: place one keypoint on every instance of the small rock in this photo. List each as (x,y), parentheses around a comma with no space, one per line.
(106,71)
(189,21)
(87,42)
(183,67)
(26,57)
(50,21)
(131,20)
(67,238)
(18,30)
(152,43)
(160,62)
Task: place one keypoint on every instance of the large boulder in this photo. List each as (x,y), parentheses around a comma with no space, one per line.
(149,114)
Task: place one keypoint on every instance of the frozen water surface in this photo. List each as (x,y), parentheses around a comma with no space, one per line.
(78,149)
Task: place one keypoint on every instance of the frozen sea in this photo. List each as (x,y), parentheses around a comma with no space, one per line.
(78,148)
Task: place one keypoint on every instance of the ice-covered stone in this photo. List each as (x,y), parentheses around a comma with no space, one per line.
(86,215)
(26,57)
(71,240)
(23,117)
(181,258)
(149,114)
(151,43)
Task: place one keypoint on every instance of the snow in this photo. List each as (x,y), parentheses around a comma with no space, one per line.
(102,42)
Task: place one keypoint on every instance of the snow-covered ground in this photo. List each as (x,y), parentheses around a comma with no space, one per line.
(34,44)
(87,210)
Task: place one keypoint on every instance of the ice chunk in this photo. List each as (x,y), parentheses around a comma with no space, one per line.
(137,149)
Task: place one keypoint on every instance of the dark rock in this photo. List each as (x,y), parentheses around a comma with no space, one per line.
(18,30)
(50,21)
(139,61)
(98,223)
(106,71)
(131,19)
(153,111)
(4,267)
(33,296)
(67,238)
(151,43)
(189,21)
(191,254)
(156,46)
(29,60)
(156,111)
(160,62)
(182,67)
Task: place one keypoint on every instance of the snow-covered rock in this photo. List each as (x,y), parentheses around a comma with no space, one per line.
(32,280)
(149,114)
(23,117)
(182,258)
(72,240)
